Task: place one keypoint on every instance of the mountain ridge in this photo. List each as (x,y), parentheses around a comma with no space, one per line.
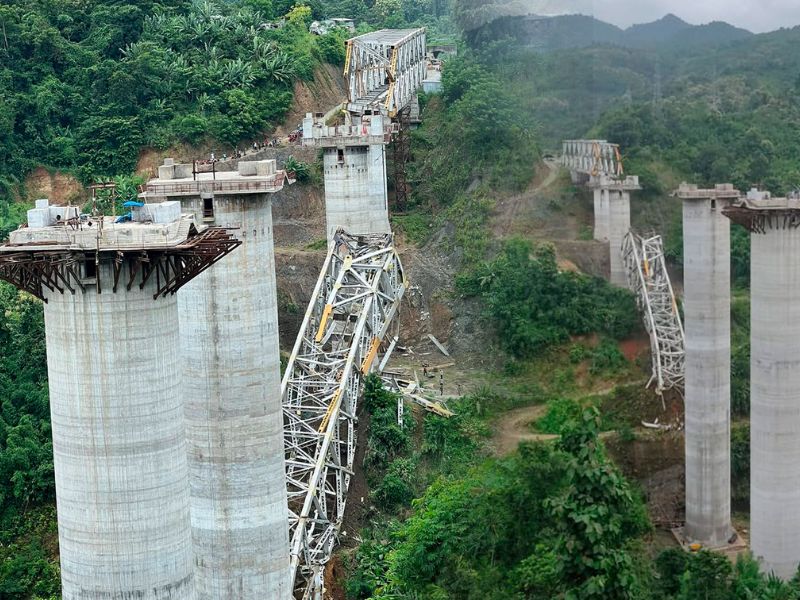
(564,32)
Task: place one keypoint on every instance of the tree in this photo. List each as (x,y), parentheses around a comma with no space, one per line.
(596,517)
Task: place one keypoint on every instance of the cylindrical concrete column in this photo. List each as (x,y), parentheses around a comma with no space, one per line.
(231,359)
(775,398)
(619,223)
(118,443)
(601,214)
(706,251)
(355,190)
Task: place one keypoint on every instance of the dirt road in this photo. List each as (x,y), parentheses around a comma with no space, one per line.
(513,428)
(511,210)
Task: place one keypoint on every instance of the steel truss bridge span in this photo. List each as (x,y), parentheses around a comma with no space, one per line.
(595,158)
(649,280)
(355,301)
(384,69)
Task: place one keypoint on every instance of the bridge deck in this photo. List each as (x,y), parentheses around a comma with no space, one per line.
(385,69)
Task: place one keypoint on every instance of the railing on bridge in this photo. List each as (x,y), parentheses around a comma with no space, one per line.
(596,158)
(649,280)
(384,69)
(352,308)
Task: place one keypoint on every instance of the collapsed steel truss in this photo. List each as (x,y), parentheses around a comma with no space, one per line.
(353,305)
(649,280)
(595,158)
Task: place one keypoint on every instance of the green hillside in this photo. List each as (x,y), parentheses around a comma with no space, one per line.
(87,85)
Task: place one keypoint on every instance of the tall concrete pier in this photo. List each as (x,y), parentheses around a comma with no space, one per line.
(706,251)
(618,192)
(119,448)
(231,386)
(354,159)
(599,164)
(774,379)
(601,214)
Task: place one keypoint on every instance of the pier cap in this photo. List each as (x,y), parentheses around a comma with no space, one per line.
(759,212)
(194,179)
(60,250)
(721,191)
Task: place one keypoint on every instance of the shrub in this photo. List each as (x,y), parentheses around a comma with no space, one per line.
(607,358)
(561,413)
(397,486)
(301,170)
(534,306)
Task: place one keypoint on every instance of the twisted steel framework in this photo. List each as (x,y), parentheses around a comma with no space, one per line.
(649,280)
(356,298)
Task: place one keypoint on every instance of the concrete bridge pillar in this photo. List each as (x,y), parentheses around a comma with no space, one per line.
(619,223)
(231,385)
(775,399)
(774,380)
(601,214)
(706,243)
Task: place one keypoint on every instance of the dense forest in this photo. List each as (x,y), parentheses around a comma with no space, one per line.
(86,85)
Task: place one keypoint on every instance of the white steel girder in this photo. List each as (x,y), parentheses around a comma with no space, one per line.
(384,69)
(356,298)
(596,158)
(648,279)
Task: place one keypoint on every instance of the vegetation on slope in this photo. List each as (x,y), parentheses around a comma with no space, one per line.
(535,306)
(554,520)
(85,85)
(26,452)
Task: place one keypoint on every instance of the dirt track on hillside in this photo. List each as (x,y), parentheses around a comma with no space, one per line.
(513,428)
(510,211)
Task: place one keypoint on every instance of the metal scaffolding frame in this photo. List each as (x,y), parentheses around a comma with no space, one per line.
(649,280)
(356,298)
(59,269)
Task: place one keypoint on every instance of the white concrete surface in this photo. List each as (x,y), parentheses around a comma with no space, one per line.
(231,359)
(118,444)
(619,222)
(775,400)
(601,214)
(707,276)
(355,190)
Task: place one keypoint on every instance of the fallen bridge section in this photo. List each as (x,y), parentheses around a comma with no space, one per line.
(355,301)
(649,280)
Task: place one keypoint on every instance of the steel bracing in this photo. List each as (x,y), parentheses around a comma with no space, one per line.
(648,279)
(596,158)
(356,298)
(384,69)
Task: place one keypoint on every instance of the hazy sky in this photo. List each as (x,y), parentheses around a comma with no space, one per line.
(755,15)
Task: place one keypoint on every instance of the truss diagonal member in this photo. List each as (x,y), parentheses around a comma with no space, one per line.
(354,302)
(649,280)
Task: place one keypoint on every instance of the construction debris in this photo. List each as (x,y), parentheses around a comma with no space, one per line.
(438,345)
